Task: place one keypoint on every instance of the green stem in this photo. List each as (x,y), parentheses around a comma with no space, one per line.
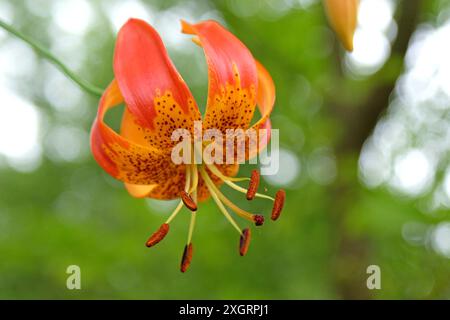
(89,88)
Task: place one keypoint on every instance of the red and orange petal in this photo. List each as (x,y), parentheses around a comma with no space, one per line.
(172,187)
(155,93)
(123,158)
(139,191)
(233,81)
(140,156)
(175,184)
(265,101)
(266,94)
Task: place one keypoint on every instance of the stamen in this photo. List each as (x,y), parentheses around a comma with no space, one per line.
(180,204)
(188,178)
(175,212)
(158,235)
(278,204)
(222,208)
(229,180)
(192,222)
(187,257)
(253,185)
(191,226)
(257,219)
(194,174)
(244,241)
(216,172)
(243,190)
(188,201)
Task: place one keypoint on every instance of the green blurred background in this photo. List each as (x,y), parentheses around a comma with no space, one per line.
(365,158)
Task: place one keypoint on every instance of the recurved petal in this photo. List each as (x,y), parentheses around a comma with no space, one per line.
(123,158)
(266,95)
(153,90)
(233,80)
(139,191)
(265,102)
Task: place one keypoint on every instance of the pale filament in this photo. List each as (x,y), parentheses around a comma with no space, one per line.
(230,183)
(242,213)
(193,191)
(209,185)
(194,173)
(186,188)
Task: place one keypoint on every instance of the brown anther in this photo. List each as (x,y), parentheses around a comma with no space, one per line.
(259,220)
(278,204)
(244,241)
(187,257)
(188,201)
(158,235)
(253,185)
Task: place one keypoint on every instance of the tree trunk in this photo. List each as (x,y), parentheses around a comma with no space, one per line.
(351,257)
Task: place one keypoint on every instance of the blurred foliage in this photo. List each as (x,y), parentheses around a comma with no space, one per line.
(71,212)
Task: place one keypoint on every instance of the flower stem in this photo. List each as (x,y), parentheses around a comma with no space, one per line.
(89,88)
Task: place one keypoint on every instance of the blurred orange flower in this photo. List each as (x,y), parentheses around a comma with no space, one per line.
(343,17)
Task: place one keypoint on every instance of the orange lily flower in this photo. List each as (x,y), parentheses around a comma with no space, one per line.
(158,101)
(343,17)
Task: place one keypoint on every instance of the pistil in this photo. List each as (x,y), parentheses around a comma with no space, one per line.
(257,219)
